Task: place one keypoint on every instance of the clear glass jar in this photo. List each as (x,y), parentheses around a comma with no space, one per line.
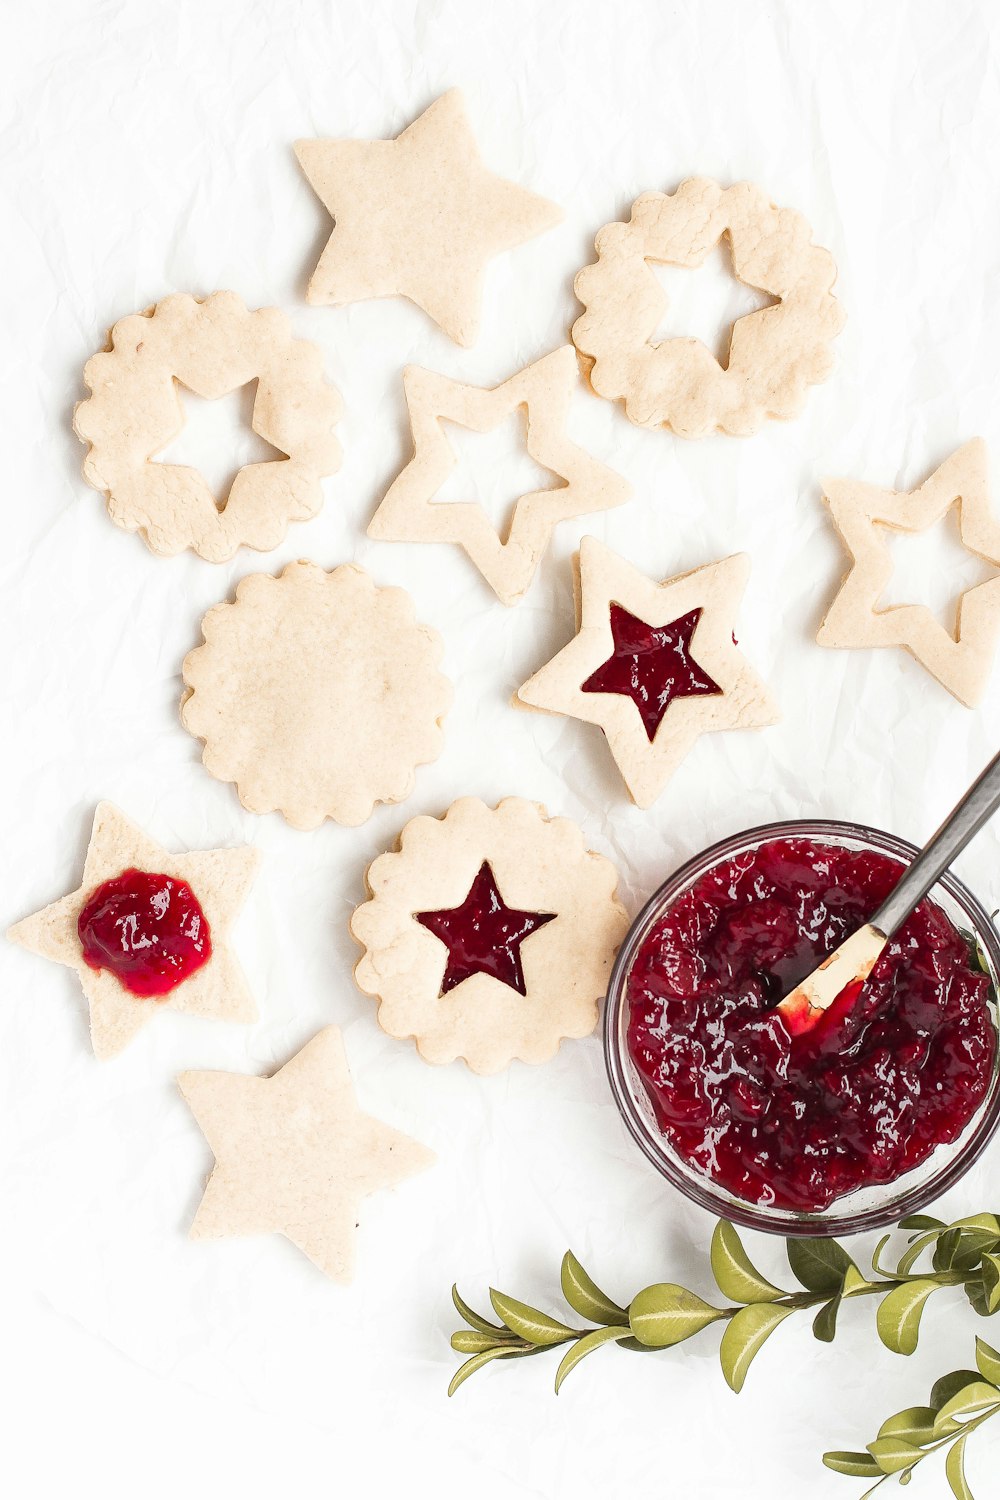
(872,1207)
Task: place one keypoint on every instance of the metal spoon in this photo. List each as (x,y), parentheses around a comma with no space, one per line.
(858,954)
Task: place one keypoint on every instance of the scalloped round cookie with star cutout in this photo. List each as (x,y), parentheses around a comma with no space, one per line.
(317,693)
(489,934)
(775,353)
(211,346)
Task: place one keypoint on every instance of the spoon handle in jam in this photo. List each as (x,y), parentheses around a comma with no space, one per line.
(962,824)
(853,961)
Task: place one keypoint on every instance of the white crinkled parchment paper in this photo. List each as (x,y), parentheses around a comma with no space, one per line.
(146,148)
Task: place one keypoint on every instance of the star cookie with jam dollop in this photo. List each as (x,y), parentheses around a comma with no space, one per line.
(489,935)
(147,931)
(655,665)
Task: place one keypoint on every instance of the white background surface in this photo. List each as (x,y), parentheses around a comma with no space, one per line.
(146,148)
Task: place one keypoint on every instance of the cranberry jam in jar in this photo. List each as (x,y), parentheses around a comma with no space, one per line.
(884,1096)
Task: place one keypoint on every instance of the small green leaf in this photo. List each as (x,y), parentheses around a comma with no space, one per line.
(585,1296)
(989,1223)
(954,1470)
(946,1249)
(854,1281)
(667,1314)
(746,1333)
(974,1245)
(991,1282)
(967,1402)
(477,1362)
(910,1257)
(825,1321)
(472,1318)
(876,1253)
(527,1322)
(988,1361)
(858,1465)
(735,1274)
(975,1290)
(469,1341)
(949,1385)
(585,1346)
(898,1317)
(914,1425)
(820,1265)
(921,1221)
(892,1454)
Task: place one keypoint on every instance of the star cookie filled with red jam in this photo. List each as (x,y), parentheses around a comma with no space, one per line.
(149,930)
(889,1073)
(483,935)
(652,665)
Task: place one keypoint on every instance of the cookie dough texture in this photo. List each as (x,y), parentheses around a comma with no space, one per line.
(213,346)
(317,693)
(540,864)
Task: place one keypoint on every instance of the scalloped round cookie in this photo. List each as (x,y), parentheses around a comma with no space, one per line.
(490,934)
(317,693)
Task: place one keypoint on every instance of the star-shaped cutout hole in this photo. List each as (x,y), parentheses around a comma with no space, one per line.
(638,642)
(419,217)
(214,988)
(652,665)
(493,469)
(483,935)
(218,438)
(706,302)
(410,511)
(294,1155)
(861,616)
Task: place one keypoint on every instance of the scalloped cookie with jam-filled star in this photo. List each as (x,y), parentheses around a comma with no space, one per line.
(419,217)
(862,513)
(489,934)
(655,665)
(542,391)
(294,1155)
(147,930)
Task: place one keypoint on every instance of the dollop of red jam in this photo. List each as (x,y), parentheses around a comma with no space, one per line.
(893,1069)
(652,665)
(483,935)
(149,930)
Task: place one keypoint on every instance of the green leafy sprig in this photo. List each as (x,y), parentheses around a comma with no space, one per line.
(964,1254)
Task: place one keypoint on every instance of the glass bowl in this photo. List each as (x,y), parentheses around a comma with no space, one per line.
(872,1207)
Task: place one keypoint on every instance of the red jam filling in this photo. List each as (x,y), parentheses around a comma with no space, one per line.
(148,929)
(483,935)
(652,665)
(890,1072)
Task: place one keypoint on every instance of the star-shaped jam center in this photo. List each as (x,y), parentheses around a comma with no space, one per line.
(483,935)
(652,665)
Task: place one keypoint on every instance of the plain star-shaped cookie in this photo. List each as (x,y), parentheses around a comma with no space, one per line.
(605,582)
(419,217)
(960,662)
(294,1155)
(220,878)
(543,391)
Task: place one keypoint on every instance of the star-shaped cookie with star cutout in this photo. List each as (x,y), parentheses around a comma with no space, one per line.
(655,665)
(294,1155)
(489,934)
(542,391)
(862,513)
(419,217)
(147,931)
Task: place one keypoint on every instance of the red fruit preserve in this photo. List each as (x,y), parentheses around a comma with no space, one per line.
(483,935)
(652,665)
(888,1074)
(148,929)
